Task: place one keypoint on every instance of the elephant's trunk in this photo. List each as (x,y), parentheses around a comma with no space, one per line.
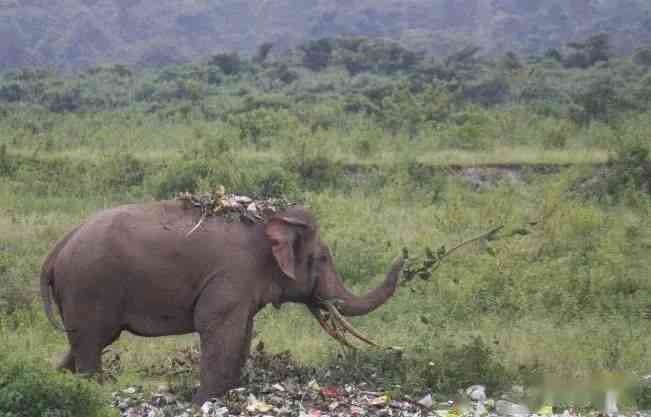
(351,305)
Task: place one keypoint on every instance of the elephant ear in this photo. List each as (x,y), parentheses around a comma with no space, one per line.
(285,235)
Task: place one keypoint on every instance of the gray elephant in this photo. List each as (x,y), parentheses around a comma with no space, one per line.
(135,268)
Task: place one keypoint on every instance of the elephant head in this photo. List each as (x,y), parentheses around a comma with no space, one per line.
(313,280)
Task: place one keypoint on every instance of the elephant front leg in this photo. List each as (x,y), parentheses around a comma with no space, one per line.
(224,350)
(68,363)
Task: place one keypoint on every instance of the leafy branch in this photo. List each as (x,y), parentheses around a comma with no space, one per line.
(433,259)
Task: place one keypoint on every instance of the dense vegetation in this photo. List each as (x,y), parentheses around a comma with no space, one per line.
(391,150)
(77,34)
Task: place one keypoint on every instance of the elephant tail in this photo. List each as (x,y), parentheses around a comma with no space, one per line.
(47,280)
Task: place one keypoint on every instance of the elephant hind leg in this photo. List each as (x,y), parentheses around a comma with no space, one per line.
(86,350)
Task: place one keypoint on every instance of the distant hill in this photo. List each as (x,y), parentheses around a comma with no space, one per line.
(72,34)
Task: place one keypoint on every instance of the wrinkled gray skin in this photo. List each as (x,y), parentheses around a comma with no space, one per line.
(133,268)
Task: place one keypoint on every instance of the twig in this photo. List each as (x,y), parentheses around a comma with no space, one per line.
(204,213)
(433,259)
(488,234)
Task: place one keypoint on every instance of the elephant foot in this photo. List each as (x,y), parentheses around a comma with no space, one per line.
(201,396)
(68,363)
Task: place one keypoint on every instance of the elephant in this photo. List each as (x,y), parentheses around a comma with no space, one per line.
(135,268)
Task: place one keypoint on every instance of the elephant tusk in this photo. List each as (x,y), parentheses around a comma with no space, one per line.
(330,328)
(338,317)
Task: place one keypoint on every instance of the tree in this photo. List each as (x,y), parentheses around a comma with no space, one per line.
(642,57)
(317,54)
(263,52)
(594,49)
(229,63)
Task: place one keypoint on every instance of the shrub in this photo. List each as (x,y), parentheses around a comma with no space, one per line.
(263,52)
(11,92)
(30,388)
(594,49)
(258,126)
(489,91)
(317,171)
(282,73)
(275,182)
(229,63)
(123,171)
(387,368)
(598,99)
(180,177)
(640,392)
(642,57)
(13,291)
(465,365)
(6,164)
(556,133)
(317,54)
(67,99)
(632,169)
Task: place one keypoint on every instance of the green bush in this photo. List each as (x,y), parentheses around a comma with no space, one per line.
(275,182)
(640,393)
(632,169)
(317,54)
(123,171)
(461,366)
(13,292)
(316,171)
(6,163)
(642,57)
(178,178)
(31,388)
(230,64)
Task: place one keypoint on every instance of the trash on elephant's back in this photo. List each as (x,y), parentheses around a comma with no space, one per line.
(234,207)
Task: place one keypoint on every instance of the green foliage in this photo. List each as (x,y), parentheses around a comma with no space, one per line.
(586,54)
(275,182)
(557,133)
(392,156)
(640,392)
(632,168)
(597,100)
(461,366)
(263,52)
(315,171)
(258,126)
(179,177)
(229,63)
(13,293)
(281,73)
(488,91)
(123,171)
(317,54)
(642,57)
(30,387)
(388,367)
(63,99)
(6,164)
(510,62)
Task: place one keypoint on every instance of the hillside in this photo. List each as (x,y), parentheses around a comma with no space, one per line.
(75,34)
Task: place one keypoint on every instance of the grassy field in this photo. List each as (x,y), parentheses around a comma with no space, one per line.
(564,299)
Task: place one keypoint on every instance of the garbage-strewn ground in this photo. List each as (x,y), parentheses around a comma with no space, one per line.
(274,385)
